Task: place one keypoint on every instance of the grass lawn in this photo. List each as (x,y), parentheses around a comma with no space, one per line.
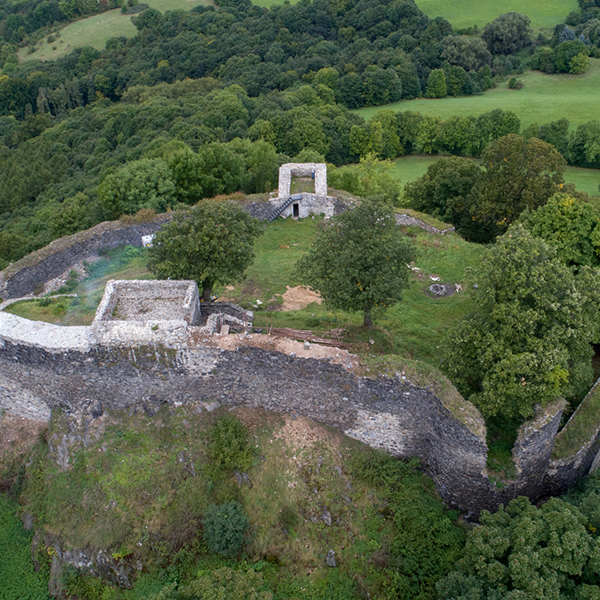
(412,328)
(464,13)
(96,30)
(544,98)
(115,264)
(410,168)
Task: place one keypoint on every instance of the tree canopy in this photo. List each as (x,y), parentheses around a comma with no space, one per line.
(517,174)
(211,243)
(445,192)
(358,261)
(528,341)
(526,552)
(508,33)
(569,224)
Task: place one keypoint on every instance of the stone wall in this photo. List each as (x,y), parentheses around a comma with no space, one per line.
(289,170)
(23,277)
(75,371)
(310,204)
(150,300)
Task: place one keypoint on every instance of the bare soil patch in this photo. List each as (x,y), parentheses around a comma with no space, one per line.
(298,297)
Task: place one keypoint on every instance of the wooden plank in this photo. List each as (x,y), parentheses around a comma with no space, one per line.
(307,336)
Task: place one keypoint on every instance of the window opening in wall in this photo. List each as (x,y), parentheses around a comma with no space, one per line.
(296,209)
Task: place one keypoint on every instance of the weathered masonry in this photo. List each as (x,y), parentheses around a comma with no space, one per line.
(45,366)
(303,204)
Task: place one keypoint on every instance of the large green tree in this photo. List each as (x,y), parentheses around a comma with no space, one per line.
(524,553)
(210,243)
(517,174)
(445,191)
(145,183)
(569,224)
(528,342)
(358,261)
(508,33)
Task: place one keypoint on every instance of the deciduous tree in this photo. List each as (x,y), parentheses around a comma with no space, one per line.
(445,191)
(529,340)
(145,183)
(508,33)
(358,261)
(523,551)
(517,174)
(211,243)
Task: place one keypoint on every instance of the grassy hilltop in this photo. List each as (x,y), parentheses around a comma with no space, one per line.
(96,30)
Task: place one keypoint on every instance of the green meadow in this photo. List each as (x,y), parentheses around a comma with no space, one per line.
(410,168)
(465,13)
(544,98)
(94,31)
(412,328)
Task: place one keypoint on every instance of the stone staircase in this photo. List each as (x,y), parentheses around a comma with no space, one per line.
(277,212)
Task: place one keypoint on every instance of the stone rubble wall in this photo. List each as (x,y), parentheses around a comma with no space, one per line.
(23,277)
(227,308)
(564,473)
(408,220)
(76,371)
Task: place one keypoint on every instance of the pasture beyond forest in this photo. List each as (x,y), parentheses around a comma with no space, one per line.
(412,328)
(544,98)
(94,31)
(410,168)
(465,13)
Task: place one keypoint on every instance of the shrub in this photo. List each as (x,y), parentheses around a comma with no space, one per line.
(225,527)
(229,448)
(515,84)
(579,64)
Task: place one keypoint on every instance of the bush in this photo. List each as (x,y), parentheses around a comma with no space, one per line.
(579,64)
(225,527)
(515,84)
(229,448)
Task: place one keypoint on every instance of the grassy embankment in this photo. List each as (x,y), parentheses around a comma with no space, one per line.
(410,168)
(465,13)
(412,328)
(141,485)
(94,31)
(544,98)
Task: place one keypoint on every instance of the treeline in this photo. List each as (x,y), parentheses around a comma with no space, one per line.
(51,172)
(380,50)
(394,134)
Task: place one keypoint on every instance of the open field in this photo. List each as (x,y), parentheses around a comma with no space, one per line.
(544,98)
(410,168)
(465,13)
(94,31)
